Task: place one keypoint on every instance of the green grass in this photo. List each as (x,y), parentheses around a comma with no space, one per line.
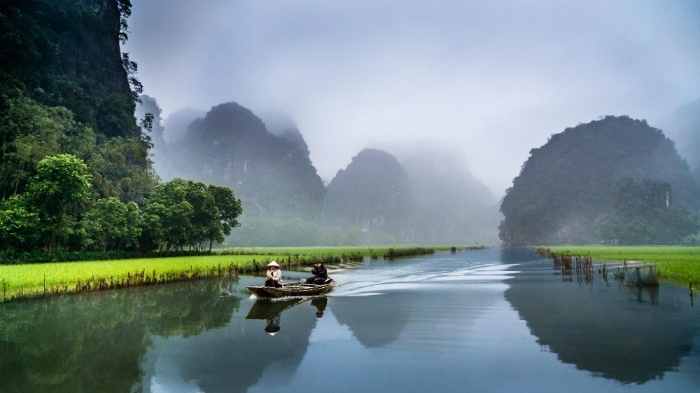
(32,280)
(674,264)
(29,279)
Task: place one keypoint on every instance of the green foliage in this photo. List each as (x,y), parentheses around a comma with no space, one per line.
(192,214)
(114,224)
(19,227)
(641,214)
(66,53)
(691,240)
(405,252)
(119,170)
(30,278)
(30,132)
(59,342)
(231,147)
(580,175)
(228,208)
(674,264)
(58,193)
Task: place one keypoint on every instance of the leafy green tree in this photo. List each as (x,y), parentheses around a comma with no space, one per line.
(58,194)
(119,169)
(19,227)
(168,202)
(66,52)
(151,228)
(112,224)
(228,210)
(191,213)
(29,132)
(204,212)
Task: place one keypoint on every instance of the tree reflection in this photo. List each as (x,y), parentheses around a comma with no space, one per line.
(95,342)
(234,358)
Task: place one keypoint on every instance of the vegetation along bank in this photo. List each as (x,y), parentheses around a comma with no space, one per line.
(674,264)
(48,279)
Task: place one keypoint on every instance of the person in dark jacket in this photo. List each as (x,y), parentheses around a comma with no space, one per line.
(320,274)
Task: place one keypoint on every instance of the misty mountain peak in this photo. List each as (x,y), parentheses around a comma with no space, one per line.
(281,124)
(372,193)
(229,120)
(231,146)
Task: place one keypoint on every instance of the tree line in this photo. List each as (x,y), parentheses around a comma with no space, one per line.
(56,211)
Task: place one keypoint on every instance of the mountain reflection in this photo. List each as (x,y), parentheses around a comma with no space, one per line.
(630,335)
(234,358)
(95,342)
(375,320)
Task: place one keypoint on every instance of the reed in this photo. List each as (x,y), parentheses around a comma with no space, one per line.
(678,265)
(405,252)
(581,265)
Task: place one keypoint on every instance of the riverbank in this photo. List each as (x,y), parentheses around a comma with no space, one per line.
(48,279)
(674,264)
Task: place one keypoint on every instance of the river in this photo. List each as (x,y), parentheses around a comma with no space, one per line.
(480,321)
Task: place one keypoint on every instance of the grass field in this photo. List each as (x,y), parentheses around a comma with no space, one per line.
(32,280)
(674,264)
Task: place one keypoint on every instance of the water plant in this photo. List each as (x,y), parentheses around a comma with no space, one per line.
(677,265)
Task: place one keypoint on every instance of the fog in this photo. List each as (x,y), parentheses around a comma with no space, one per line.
(490,79)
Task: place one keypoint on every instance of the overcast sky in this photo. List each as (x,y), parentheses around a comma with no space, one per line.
(491,79)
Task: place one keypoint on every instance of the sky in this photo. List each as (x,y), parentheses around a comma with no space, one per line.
(487,79)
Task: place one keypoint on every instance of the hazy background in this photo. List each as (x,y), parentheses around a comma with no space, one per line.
(491,79)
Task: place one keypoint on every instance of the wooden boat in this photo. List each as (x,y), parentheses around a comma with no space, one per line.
(294,289)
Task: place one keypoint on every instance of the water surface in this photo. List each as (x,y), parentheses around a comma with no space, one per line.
(481,321)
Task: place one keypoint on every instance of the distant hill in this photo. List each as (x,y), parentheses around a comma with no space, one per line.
(372,194)
(231,146)
(451,205)
(425,197)
(280,124)
(614,180)
(177,122)
(683,126)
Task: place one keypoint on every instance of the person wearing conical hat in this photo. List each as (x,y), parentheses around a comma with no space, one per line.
(274,275)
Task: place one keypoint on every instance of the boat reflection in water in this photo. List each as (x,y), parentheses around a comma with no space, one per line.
(491,320)
(271,310)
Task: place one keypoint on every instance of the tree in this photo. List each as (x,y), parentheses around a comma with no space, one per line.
(112,224)
(19,227)
(169,204)
(228,209)
(30,132)
(204,211)
(118,169)
(58,194)
(190,213)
